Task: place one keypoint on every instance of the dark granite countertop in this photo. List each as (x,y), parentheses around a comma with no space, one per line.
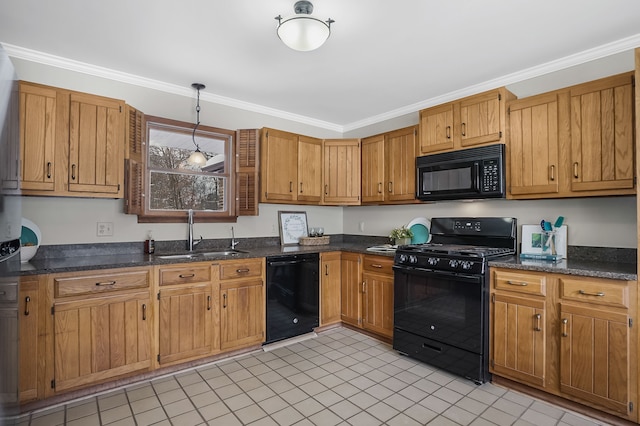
(589,262)
(585,268)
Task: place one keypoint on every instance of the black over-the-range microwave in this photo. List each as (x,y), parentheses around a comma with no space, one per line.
(472,173)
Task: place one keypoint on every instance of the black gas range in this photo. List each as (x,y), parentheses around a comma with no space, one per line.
(441,293)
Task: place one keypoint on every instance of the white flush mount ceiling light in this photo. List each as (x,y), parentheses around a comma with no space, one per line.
(302,31)
(197,157)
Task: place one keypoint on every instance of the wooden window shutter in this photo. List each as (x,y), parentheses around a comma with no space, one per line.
(134,164)
(247,168)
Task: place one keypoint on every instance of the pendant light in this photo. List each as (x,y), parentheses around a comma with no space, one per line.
(302,31)
(197,158)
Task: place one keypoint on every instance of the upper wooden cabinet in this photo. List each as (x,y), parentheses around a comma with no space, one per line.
(388,167)
(341,172)
(476,120)
(309,185)
(602,134)
(72,144)
(574,142)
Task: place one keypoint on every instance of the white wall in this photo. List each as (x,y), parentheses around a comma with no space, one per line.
(606,222)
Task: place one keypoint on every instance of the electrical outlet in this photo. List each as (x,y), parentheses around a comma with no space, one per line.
(105,229)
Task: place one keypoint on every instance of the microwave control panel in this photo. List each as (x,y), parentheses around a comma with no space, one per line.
(490,175)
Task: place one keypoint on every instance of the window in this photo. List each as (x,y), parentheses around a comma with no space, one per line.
(174,185)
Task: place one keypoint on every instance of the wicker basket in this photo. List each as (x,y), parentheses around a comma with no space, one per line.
(314,241)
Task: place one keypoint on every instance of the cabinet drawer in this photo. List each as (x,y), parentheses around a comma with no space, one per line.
(378,264)
(520,282)
(241,269)
(610,293)
(99,283)
(185,274)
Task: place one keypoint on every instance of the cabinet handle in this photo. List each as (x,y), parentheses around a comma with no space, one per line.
(538,317)
(376,265)
(26,305)
(521,284)
(144,312)
(301,187)
(448,132)
(390,187)
(553,172)
(49,170)
(326,190)
(290,186)
(586,293)
(242,271)
(73,172)
(379,187)
(106,283)
(364,286)
(224,300)
(208,303)
(326,269)
(186,275)
(464,129)
(564,327)
(575,170)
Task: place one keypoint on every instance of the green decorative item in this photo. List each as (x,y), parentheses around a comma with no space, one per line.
(401,236)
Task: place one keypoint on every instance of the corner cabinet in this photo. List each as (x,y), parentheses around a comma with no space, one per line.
(72,144)
(472,121)
(330,276)
(573,337)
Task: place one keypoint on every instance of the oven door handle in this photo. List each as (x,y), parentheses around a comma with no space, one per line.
(286,262)
(432,272)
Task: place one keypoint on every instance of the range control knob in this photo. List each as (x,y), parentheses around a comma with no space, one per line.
(433,261)
(413,258)
(453,263)
(403,258)
(466,264)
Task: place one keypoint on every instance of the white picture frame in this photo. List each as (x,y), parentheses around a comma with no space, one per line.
(531,240)
(293,226)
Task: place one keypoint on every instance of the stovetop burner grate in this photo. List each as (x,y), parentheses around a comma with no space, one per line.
(458,249)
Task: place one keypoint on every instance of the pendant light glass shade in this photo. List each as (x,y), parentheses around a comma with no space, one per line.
(302,31)
(197,158)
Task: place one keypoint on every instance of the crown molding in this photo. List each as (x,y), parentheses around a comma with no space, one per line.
(107,73)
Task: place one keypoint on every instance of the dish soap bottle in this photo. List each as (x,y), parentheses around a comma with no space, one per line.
(149,244)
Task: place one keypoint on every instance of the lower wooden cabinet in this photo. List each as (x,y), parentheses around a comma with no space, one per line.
(31,349)
(330,276)
(573,337)
(351,288)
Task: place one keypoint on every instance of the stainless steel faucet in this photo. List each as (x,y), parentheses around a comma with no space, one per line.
(190,242)
(234,243)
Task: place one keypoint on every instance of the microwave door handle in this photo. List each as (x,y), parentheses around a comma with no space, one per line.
(476,171)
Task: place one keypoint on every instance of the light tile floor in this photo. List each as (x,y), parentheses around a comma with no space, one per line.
(340,377)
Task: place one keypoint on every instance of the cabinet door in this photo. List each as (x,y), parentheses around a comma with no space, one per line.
(595,357)
(481,119)
(30,349)
(400,147)
(330,276)
(373,169)
(186,322)
(278,166)
(602,135)
(96,145)
(309,169)
(534,145)
(518,338)
(37,137)
(350,288)
(100,338)
(242,317)
(378,303)
(342,172)
(436,129)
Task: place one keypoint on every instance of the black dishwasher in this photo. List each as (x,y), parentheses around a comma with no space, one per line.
(292,295)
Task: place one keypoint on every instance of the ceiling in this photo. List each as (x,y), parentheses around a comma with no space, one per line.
(383,59)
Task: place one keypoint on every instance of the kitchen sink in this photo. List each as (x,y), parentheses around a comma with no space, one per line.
(205,254)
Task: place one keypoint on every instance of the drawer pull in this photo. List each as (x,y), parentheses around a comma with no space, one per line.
(26,305)
(187,275)
(49,170)
(376,265)
(390,187)
(575,170)
(518,283)
(73,172)
(106,283)
(448,132)
(586,293)
(552,170)
(208,303)
(224,300)
(564,327)
(243,270)
(379,187)
(144,312)
(538,317)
